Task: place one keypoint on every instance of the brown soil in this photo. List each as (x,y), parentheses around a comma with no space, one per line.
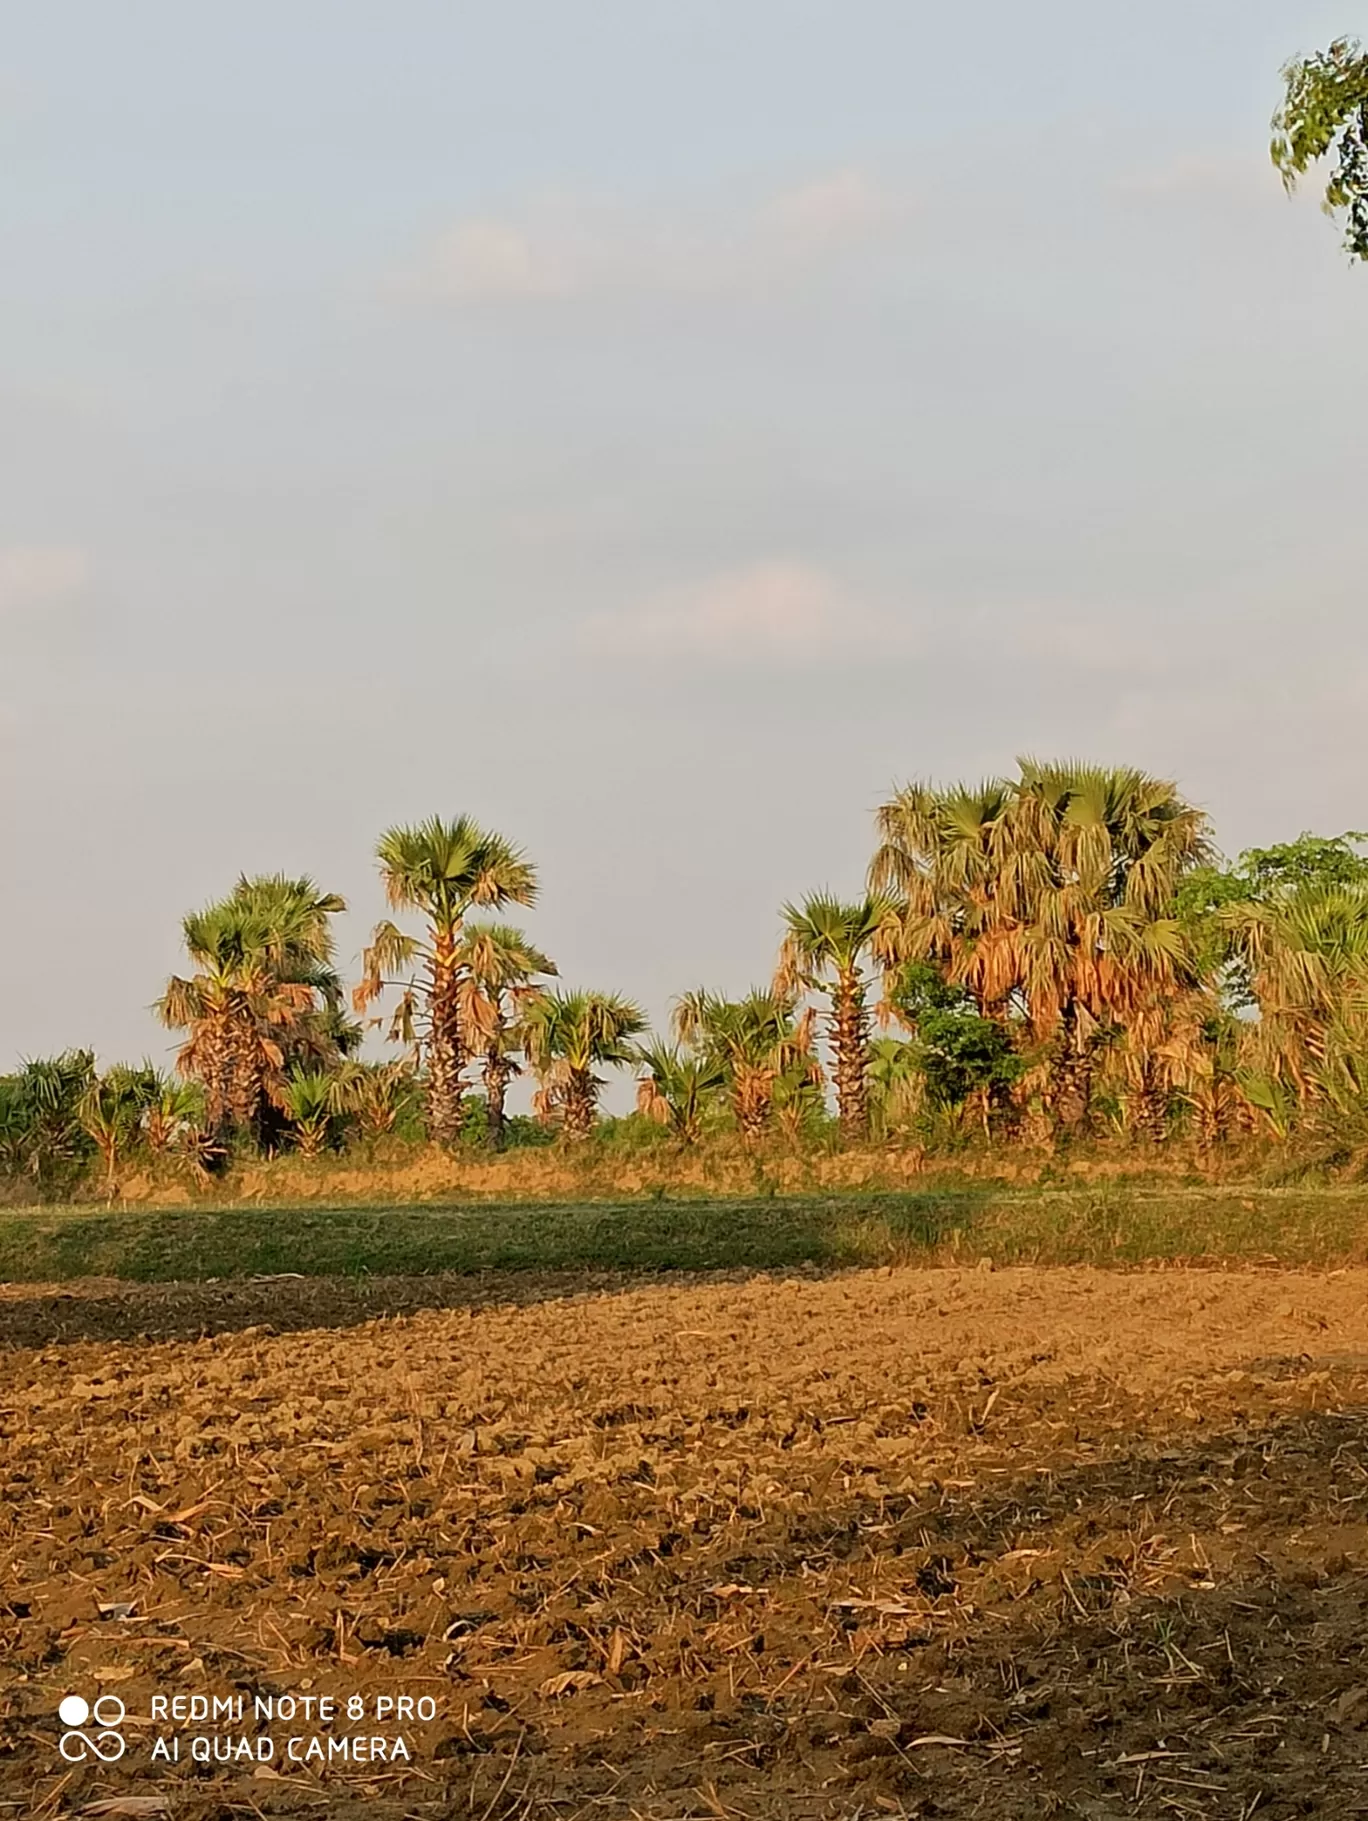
(934,1543)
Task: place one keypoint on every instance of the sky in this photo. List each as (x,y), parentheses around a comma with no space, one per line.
(656,428)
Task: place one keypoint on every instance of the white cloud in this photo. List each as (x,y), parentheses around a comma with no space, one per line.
(567,247)
(841,207)
(777,611)
(497,259)
(32,575)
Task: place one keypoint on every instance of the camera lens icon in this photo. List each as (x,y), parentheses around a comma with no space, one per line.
(107,1745)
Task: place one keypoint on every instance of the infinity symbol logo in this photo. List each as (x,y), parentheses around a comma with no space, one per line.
(107,1745)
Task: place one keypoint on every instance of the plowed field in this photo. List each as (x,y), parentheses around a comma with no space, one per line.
(912,1542)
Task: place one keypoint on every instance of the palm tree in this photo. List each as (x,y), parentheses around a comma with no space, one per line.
(1050,898)
(440,870)
(233,1010)
(263,996)
(40,1116)
(894,1083)
(173,1116)
(1306,950)
(298,915)
(111,1113)
(674,1089)
(310,1105)
(375,1094)
(567,1035)
(824,950)
(755,1042)
(498,968)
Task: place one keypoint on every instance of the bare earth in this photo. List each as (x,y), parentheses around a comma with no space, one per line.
(915,1542)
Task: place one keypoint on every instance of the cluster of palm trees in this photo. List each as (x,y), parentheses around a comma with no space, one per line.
(1085,917)
(1042,955)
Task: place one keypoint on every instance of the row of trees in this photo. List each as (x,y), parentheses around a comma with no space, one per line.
(1034,957)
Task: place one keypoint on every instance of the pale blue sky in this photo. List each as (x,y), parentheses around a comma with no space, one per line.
(655,429)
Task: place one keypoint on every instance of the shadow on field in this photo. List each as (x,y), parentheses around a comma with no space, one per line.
(173,1275)
(107,1310)
(1125,1670)
(1174,1630)
(1139,1675)
(104,1310)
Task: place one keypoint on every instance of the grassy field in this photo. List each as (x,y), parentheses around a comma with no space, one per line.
(1044,1226)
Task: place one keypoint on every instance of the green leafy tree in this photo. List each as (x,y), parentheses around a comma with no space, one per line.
(568,1036)
(958,1052)
(826,946)
(303,954)
(440,870)
(173,1121)
(1324,113)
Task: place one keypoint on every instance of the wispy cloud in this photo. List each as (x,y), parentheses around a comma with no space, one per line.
(567,247)
(842,207)
(1202,177)
(498,259)
(35,574)
(786,612)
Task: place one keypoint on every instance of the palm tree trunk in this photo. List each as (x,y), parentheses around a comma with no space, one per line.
(496,1089)
(244,1092)
(445,1052)
(216,1073)
(1070,1092)
(751,1100)
(849,1042)
(579,1103)
(1151,1104)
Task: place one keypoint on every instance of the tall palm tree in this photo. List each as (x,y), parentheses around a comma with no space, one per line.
(234,1012)
(303,952)
(674,1088)
(754,1042)
(440,870)
(567,1036)
(498,970)
(825,948)
(1049,897)
(263,995)
(1100,942)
